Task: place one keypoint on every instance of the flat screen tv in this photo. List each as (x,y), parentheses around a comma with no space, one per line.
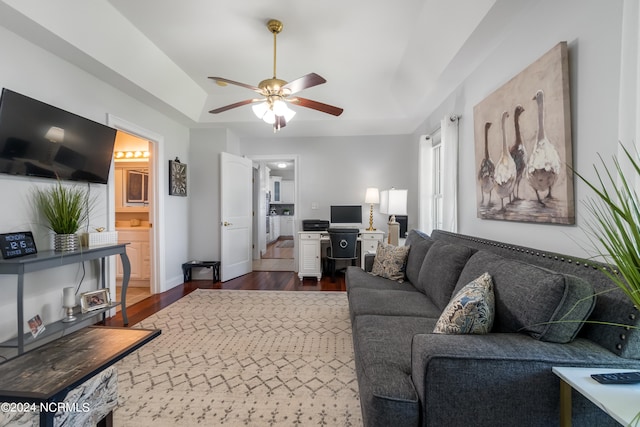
(38,139)
(346,214)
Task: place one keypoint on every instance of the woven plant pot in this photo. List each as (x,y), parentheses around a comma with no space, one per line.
(66,242)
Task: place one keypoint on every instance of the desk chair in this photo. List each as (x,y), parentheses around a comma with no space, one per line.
(343,245)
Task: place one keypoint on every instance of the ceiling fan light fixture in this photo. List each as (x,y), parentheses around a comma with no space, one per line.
(269,117)
(288,115)
(260,109)
(280,107)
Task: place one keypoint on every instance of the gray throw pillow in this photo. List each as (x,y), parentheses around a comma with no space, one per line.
(390,261)
(547,305)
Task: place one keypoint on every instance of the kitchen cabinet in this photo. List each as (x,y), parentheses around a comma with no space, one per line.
(287,192)
(276,188)
(286,225)
(275,227)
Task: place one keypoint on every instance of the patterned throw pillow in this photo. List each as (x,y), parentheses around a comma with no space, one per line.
(390,261)
(471,311)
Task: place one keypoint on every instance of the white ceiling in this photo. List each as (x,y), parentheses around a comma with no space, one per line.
(386,63)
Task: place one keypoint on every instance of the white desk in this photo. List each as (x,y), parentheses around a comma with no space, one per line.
(620,401)
(310,250)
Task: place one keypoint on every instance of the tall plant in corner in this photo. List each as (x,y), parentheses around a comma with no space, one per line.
(616,222)
(66,209)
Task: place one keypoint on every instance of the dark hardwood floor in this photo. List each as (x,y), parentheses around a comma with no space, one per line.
(257,280)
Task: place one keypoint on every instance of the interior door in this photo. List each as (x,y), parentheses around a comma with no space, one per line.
(235,216)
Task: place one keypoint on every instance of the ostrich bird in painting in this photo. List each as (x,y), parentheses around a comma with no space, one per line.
(543,165)
(518,152)
(487,168)
(505,175)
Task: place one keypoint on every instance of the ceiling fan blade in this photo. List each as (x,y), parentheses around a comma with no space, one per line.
(315,105)
(304,82)
(237,104)
(221,81)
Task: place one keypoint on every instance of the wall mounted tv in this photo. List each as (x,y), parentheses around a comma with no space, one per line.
(38,139)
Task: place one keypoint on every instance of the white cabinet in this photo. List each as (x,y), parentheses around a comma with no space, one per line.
(286,225)
(276,188)
(286,189)
(274,228)
(369,243)
(138,252)
(309,255)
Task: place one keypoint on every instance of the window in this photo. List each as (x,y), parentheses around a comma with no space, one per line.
(438,155)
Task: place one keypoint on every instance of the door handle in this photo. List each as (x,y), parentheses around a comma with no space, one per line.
(226,224)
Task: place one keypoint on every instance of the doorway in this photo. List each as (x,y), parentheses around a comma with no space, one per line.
(275,210)
(132,175)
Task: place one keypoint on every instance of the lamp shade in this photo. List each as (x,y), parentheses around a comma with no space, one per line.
(372,196)
(393,202)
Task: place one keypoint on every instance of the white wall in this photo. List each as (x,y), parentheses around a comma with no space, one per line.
(338,170)
(37,73)
(593,33)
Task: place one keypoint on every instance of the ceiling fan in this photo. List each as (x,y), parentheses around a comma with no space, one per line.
(277,93)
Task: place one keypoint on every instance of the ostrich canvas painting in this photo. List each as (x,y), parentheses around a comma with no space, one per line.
(523,149)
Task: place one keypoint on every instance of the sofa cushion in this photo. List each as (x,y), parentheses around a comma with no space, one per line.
(419,246)
(390,261)
(545,304)
(356,278)
(470,311)
(440,271)
(479,263)
(391,303)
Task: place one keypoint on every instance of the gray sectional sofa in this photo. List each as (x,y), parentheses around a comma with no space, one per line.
(410,376)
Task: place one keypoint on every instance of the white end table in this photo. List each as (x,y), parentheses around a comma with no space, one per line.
(620,401)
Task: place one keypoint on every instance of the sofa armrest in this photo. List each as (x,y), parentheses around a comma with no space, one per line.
(500,379)
(368,262)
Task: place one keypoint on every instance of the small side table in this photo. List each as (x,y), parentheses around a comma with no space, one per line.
(620,401)
(214,265)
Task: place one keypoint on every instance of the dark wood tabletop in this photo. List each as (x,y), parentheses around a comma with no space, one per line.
(59,366)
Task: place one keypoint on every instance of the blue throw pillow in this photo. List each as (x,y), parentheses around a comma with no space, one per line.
(471,311)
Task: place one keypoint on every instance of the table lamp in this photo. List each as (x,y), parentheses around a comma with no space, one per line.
(68,302)
(372,196)
(393,202)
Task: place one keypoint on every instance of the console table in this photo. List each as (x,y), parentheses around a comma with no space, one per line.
(50,259)
(45,375)
(620,401)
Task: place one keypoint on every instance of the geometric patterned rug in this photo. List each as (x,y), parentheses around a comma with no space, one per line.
(243,358)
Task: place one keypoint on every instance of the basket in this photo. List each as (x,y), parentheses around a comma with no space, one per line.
(99,239)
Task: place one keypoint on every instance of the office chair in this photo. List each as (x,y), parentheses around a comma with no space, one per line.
(343,246)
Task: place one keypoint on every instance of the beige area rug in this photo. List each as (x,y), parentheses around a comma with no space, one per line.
(244,358)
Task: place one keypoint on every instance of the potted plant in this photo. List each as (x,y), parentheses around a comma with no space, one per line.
(615,223)
(66,209)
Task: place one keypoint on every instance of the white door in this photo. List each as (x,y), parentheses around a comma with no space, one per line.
(235,216)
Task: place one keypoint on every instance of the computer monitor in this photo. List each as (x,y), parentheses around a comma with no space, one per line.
(348,215)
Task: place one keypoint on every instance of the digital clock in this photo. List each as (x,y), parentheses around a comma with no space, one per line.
(18,244)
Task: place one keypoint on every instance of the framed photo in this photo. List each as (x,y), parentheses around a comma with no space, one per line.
(36,325)
(95,300)
(177,178)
